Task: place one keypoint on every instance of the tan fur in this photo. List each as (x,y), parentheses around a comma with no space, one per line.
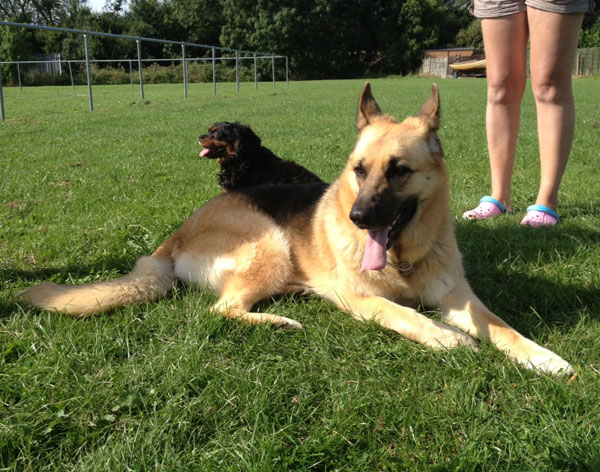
(150,278)
(244,255)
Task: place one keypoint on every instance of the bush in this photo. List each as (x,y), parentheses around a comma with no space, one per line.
(40,79)
(157,74)
(108,75)
(203,72)
(198,72)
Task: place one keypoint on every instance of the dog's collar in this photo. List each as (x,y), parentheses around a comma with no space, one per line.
(405,268)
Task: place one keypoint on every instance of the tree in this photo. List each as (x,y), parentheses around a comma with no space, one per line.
(471,36)
(41,12)
(268,26)
(322,38)
(15,44)
(20,11)
(418,25)
(201,20)
(155,19)
(590,34)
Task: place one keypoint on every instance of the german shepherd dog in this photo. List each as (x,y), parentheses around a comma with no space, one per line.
(376,242)
(245,162)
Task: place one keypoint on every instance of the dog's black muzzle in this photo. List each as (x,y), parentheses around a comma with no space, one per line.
(371,214)
(364,216)
(406,212)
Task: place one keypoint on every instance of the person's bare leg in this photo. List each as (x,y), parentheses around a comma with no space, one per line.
(505,41)
(553,38)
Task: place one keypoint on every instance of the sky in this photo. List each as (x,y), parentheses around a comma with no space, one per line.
(96,5)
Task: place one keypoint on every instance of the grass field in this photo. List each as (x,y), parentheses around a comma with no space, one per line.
(167,386)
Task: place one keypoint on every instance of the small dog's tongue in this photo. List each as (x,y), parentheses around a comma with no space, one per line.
(375,257)
(204,152)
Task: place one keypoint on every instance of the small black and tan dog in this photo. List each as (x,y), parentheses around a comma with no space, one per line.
(245,162)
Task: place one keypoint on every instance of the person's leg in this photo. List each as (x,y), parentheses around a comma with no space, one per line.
(505,43)
(553,43)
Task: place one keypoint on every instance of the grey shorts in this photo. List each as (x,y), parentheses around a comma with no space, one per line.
(497,8)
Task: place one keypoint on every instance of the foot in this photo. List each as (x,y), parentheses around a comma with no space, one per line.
(442,336)
(543,360)
(540,215)
(488,208)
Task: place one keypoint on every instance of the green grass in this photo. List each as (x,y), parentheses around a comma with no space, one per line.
(167,386)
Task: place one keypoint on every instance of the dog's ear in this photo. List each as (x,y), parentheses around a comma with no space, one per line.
(430,111)
(430,119)
(367,108)
(245,139)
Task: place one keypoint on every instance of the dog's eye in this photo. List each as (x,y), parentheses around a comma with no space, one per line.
(360,172)
(399,170)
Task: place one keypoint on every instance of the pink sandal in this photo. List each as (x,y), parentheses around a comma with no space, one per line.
(488,208)
(540,215)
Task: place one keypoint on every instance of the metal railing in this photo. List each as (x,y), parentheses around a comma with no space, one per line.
(254,55)
(587,62)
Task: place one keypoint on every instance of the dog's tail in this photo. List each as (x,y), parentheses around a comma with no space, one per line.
(151,278)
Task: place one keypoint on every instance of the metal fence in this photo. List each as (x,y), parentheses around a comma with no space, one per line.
(238,56)
(587,62)
(48,63)
(440,66)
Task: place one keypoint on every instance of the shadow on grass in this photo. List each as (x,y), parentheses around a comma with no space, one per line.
(60,274)
(519,272)
(81,273)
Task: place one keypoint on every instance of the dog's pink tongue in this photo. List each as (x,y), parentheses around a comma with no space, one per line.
(204,152)
(375,257)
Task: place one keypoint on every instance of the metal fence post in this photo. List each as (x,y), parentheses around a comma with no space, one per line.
(19,77)
(214,68)
(1,97)
(185,86)
(71,75)
(131,75)
(237,72)
(139,51)
(89,71)
(255,75)
(287,73)
(273,67)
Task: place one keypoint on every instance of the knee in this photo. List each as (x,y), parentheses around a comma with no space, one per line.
(504,92)
(551,91)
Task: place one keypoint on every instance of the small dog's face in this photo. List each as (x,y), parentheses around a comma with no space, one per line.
(217,143)
(226,140)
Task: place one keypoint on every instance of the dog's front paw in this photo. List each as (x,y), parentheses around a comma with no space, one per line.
(288,323)
(447,337)
(544,360)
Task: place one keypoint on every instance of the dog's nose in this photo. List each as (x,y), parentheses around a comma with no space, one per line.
(360,217)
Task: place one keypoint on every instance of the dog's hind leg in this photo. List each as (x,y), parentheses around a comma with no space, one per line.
(298,289)
(237,300)
(237,252)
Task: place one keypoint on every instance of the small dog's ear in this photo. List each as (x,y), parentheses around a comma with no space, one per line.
(430,111)
(245,139)
(367,108)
